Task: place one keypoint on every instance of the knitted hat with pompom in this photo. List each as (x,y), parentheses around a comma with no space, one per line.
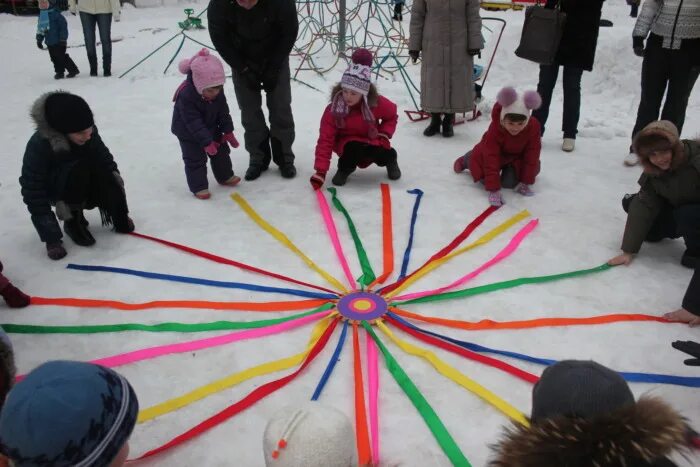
(513,103)
(207,70)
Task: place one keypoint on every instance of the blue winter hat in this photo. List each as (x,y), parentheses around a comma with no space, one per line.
(68,414)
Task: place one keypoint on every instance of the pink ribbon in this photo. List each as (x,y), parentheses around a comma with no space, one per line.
(504,253)
(333,232)
(373,386)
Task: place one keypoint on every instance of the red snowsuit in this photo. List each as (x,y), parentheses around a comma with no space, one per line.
(333,139)
(499,148)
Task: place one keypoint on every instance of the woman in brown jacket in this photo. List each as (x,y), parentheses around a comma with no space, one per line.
(448,33)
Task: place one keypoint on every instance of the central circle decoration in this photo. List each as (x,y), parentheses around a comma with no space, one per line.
(362,306)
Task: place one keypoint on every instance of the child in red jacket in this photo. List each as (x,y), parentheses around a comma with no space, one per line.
(508,154)
(357,125)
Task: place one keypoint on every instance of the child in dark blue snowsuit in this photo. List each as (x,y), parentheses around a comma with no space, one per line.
(53,29)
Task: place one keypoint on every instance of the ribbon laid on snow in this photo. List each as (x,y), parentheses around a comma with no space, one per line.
(162,327)
(631,377)
(194,304)
(335,240)
(195,280)
(456,376)
(373,387)
(253,397)
(433,264)
(364,452)
(487,324)
(284,240)
(505,285)
(367,272)
(387,237)
(219,385)
(331,364)
(229,262)
(503,254)
(201,344)
(437,428)
(409,245)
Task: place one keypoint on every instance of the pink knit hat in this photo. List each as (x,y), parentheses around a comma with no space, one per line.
(207,70)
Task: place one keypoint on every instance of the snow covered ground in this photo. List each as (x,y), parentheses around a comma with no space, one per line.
(577,201)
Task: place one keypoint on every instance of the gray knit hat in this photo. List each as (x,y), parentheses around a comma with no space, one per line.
(578,388)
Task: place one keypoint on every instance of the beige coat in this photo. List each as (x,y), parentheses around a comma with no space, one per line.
(96,7)
(443,30)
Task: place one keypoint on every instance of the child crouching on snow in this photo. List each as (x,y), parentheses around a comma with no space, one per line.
(357,125)
(202,123)
(508,154)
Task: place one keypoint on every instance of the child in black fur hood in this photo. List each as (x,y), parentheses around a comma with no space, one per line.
(584,415)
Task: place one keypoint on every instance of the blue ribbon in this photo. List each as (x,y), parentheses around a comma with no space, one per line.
(331,364)
(414,217)
(688,381)
(194,280)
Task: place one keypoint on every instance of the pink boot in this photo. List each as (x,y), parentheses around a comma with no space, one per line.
(233,181)
(462,163)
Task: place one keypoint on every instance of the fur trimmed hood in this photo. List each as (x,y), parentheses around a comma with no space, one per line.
(58,141)
(634,436)
(667,130)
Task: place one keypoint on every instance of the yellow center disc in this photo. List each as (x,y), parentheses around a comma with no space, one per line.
(362,305)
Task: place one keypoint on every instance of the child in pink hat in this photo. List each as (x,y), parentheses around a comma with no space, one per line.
(202,123)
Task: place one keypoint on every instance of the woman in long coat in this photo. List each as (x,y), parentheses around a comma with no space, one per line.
(448,33)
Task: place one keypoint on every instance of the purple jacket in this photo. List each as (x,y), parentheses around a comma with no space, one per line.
(197,120)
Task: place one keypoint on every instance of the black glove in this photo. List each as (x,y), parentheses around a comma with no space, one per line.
(474,52)
(414,54)
(40,41)
(251,78)
(638,46)
(691,348)
(269,79)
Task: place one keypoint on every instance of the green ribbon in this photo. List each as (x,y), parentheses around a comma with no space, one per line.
(503,285)
(367,276)
(162,327)
(443,437)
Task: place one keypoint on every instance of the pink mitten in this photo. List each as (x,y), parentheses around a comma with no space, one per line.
(212,148)
(317,180)
(524,189)
(230,138)
(495,199)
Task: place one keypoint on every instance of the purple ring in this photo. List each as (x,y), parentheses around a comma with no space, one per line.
(349,306)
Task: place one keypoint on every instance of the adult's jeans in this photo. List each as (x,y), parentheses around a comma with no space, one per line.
(572,96)
(103,21)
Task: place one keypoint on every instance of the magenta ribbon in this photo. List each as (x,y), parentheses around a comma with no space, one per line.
(335,240)
(373,386)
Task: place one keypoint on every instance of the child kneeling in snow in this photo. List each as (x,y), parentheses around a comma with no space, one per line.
(358,125)
(202,123)
(508,154)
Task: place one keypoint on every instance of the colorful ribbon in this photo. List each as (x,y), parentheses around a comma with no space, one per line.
(503,254)
(373,388)
(409,245)
(195,280)
(367,273)
(331,364)
(229,262)
(193,304)
(335,240)
(364,452)
(255,396)
(437,428)
(387,237)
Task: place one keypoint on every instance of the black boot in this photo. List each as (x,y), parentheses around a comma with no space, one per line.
(447,125)
(76,229)
(434,127)
(288,170)
(59,76)
(392,169)
(107,70)
(340,178)
(93,65)
(253,172)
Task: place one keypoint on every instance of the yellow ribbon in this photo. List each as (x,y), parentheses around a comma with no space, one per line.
(229,381)
(459,378)
(284,240)
(487,237)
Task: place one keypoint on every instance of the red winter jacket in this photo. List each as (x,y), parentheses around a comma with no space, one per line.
(333,139)
(499,148)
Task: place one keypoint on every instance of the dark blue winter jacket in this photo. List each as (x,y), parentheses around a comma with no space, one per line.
(58,28)
(197,120)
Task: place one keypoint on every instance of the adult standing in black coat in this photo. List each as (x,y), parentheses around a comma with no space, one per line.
(576,53)
(255,37)
(690,310)
(66,164)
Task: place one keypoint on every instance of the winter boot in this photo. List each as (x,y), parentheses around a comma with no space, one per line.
(462,162)
(340,178)
(233,181)
(568,144)
(76,229)
(203,194)
(434,127)
(93,65)
(288,170)
(253,172)
(59,76)
(447,125)
(392,168)
(56,250)
(73,74)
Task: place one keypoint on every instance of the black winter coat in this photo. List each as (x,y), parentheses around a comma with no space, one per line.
(48,160)
(260,38)
(580,38)
(691,301)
